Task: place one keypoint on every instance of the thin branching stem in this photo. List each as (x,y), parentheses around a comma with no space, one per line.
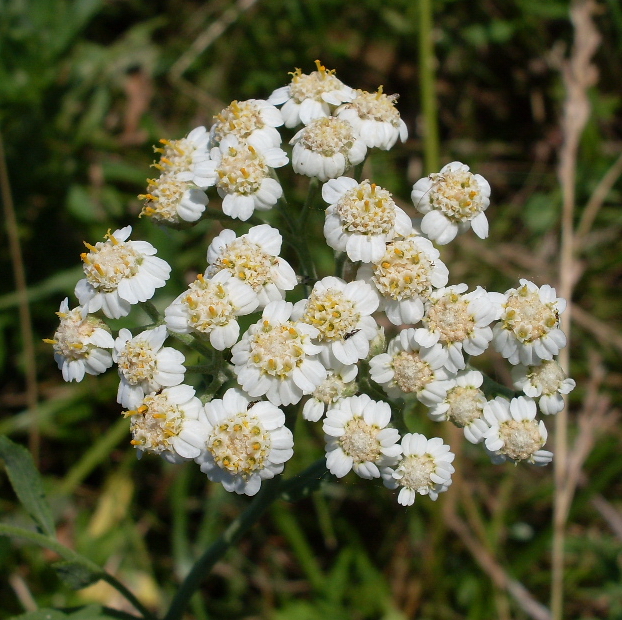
(72,556)
(25,322)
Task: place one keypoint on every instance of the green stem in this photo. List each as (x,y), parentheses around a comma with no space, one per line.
(296,234)
(152,312)
(268,493)
(491,388)
(427,87)
(72,556)
(312,194)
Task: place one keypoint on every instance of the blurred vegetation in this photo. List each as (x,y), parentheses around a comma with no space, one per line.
(87,86)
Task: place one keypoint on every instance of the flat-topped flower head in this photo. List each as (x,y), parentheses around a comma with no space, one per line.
(168,424)
(464,405)
(529,327)
(339,383)
(81,344)
(453,201)
(246,442)
(548,382)
(358,437)
(211,307)
(425,468)
(277,357)
(407,369)
(456,322)
(253,122)
(119,273)
(171,200)
(177,157)
(375,118)
(341,314)
(242,176)
(405,276)
(514,434)
(310,96)
(361,219)
(145,366)
(254,259)
(326,148)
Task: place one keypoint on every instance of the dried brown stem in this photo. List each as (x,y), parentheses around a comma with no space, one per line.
(578,75)
(598,197)
(493,569)
(211,34)
(19,273)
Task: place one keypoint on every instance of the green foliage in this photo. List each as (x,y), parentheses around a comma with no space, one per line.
(26,483)
(347,551)
(89,612)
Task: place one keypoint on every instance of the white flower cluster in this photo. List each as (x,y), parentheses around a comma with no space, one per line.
(323,352)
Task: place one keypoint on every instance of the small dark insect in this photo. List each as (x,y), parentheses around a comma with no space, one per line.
(350,334)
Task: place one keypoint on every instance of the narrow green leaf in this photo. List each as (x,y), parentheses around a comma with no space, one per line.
(75,575)
(27,484)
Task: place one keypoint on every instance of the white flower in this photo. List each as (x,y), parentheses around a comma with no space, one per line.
(425,468)
(453,201)
(547,381)
(405,276)
(529,327)
(253,258)
(173,197)
(455,322)
(144,366)
(246,442)
(172,200)
(169,424)
(177,157)
(242,177)
(252,122)
(212,307)
(310,96)
(119,273)
(341,314)
(339,383)
(514,434)
(326,148)
(408,369)
(80,344)
(276,357)
(375,118)
(464,405)
(361,218)
(358,437)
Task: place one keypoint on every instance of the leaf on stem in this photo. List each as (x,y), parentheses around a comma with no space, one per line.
(75,575)
(27,484)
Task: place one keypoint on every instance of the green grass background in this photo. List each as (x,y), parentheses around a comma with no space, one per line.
(87,86)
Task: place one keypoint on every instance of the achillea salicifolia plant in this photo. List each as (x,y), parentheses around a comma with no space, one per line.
(321,354)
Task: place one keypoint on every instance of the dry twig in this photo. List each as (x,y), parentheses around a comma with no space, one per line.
(578,75)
